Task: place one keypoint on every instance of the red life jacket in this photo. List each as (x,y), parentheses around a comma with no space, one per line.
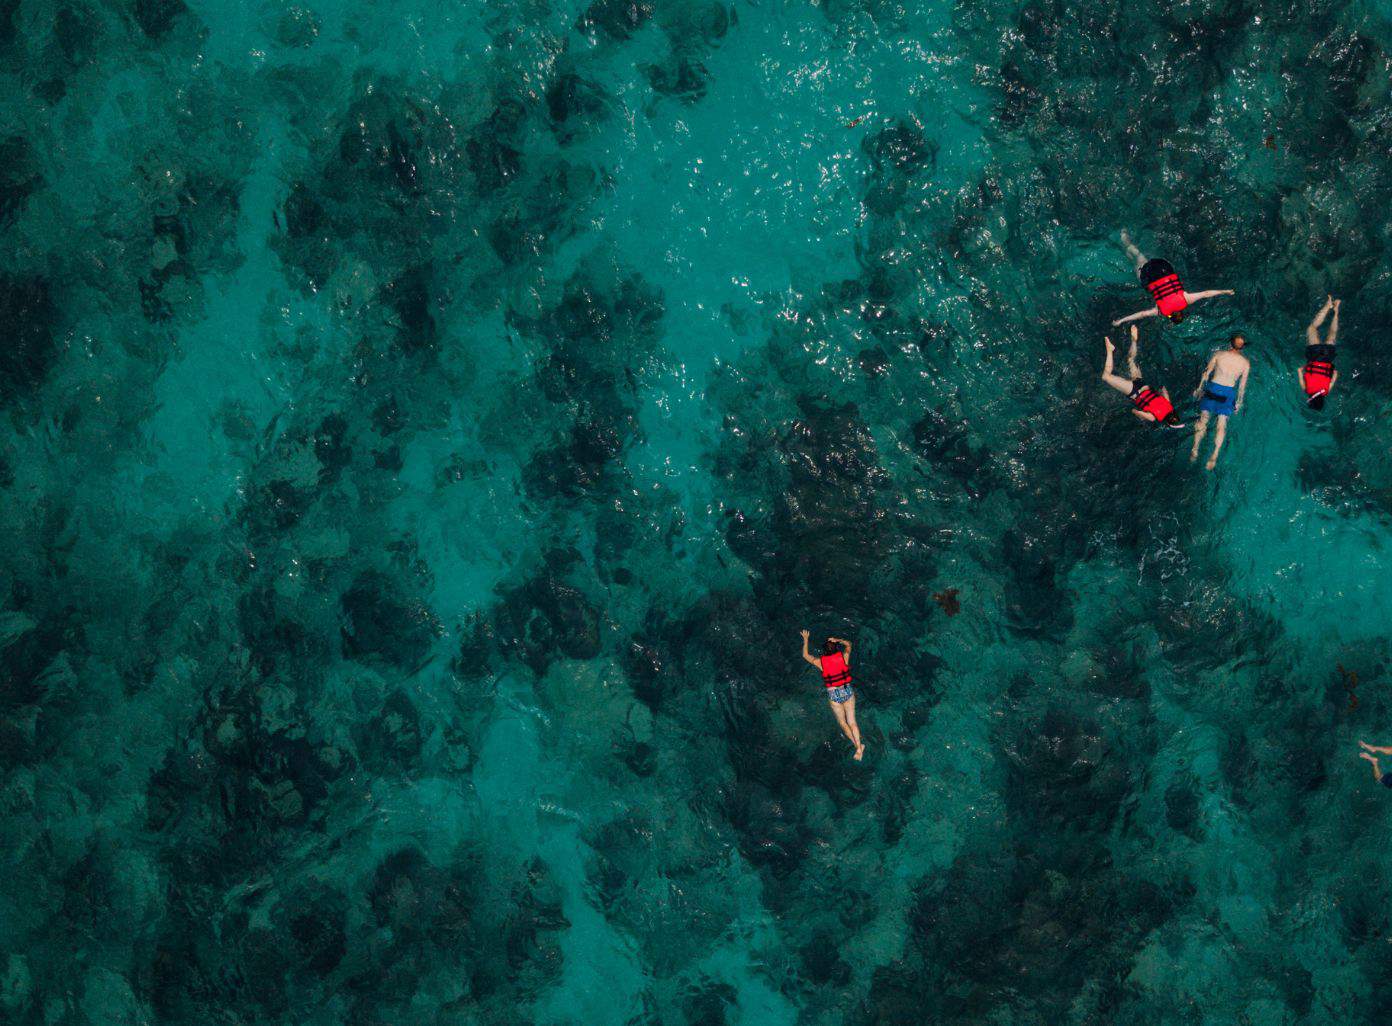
(1319,376)
(1147,400)
(835,672)
(1168,293)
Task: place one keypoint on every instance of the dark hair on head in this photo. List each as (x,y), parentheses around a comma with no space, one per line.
(1317,401)
(1172,420)
(1237,337)
(1177,316)
(830,648)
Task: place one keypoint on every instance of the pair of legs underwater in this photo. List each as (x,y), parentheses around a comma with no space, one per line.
(1220,435)
(1109,375)
(1151,406)
(1331,305)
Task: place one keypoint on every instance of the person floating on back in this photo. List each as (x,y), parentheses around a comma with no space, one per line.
(1222,386)
(1371,752)
(1151,406)
(1318,375)
(835,664)
(1164,287)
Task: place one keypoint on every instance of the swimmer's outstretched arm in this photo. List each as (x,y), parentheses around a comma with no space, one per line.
(808,655)
(1148,312)
(1194,297)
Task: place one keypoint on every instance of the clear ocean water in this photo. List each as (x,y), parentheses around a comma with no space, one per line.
(424,428)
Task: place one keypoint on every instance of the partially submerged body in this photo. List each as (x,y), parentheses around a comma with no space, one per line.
(1164,286)
(1222,387)
(1318,376)
(1148,404)
(835,666)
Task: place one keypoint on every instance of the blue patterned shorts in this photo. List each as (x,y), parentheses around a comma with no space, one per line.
(841,694)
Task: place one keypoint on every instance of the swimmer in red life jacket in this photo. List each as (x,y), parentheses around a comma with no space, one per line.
(1164,287)
(1318,375)
(1151,406)
(835,664)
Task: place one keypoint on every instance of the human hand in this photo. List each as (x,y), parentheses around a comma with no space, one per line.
(805,634)
(1135,332)
(1116,323)
(1237,408)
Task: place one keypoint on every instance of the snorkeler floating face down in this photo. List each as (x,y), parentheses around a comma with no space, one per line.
(1149,404)
(1162,282)
(1317,376)
(835,666)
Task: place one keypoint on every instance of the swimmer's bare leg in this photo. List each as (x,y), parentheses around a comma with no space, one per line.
(1200,429)
(1121,384)
(1132,367)
(839,709)
(1334,325)
(1132,253)
(1219,434)
(855,729)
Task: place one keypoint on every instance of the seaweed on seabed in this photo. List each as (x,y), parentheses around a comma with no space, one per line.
(1063,771)
(618,19)
(19,176)
(581,465)
(1036,604)
(392,738)
(685,79)
(771,833)
(492,157)
(410,296)
(29,315)
(157,17)
(574,104)
(546,618)
(381,621)
(315,918)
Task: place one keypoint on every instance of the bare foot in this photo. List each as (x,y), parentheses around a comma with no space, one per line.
(860,753)
(1212,462)
(1362,755)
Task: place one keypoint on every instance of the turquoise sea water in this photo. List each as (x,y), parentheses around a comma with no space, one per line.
(425,428)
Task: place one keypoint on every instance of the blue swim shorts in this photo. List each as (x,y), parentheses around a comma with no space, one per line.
(841,694)
(1219,400)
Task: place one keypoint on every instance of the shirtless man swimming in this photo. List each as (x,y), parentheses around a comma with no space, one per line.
(1222,386)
